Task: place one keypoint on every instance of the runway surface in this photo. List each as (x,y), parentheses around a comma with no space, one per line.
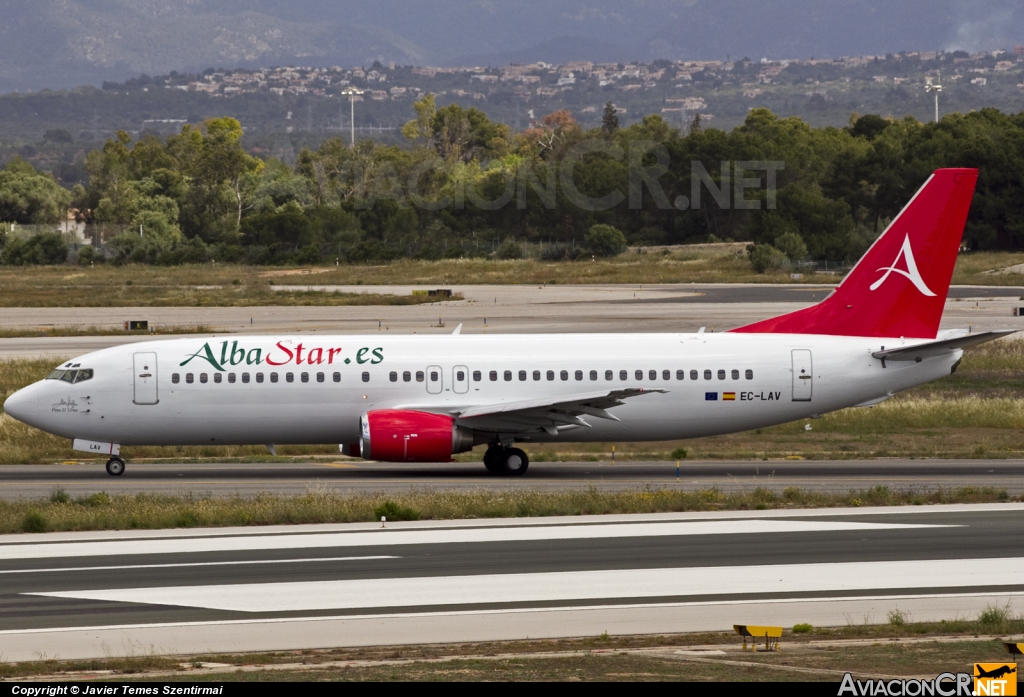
(494,309)
(77,595)
(351,476)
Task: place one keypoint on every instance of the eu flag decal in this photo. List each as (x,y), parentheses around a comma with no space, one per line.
(710,396)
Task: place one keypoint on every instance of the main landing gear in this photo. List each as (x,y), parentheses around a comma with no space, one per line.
(115,466)
(510,462)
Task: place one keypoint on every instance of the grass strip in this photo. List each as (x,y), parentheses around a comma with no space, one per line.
(229,285)
(101,511)
(921,648)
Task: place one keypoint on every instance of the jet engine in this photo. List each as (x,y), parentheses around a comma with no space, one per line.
(398,435)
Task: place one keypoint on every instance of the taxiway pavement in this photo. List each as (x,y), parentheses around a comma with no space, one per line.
(356,476)
(78,595)
(494,309)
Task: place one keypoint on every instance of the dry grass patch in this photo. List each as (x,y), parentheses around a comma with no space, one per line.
(151,511)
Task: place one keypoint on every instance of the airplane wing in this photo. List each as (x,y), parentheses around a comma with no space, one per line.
(546,415)
(936,348)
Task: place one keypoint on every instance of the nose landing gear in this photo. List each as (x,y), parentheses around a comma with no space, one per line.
(115,466)
(510,462)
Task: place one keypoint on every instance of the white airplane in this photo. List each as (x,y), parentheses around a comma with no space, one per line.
(424,398)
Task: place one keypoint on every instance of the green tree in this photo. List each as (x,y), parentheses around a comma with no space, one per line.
(605,240)
(46,248)
(610,119)
(30,197)
(792,245)
(765,257)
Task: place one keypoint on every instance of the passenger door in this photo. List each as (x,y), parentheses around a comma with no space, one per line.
(803,375)
(145,379)
(435,380)
(460,379)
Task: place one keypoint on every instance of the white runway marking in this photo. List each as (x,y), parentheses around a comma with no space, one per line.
(386,537)
(573,586)
(200,563)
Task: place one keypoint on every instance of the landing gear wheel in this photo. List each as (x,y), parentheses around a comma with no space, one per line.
(115,466)
(493,459)
(514,462)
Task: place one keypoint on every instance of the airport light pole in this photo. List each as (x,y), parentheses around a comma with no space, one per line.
(351,93)
(936,88)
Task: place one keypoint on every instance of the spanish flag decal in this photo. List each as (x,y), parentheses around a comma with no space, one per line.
(729,396)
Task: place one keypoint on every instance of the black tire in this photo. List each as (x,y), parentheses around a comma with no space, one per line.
(493,459)
(514,463)
(115,467)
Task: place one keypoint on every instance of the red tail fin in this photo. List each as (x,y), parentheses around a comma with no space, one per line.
(899,286)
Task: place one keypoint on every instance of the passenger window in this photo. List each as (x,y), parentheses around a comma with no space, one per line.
(434,377)
(639,375)
(735,374)
(522,376)
(460,376)
(203,378)
(707,374)
(366,377)
(578,375)
(393,376)
(623,375)
(319,377)
(304,377)
(680,375)
(693,374)
(218,378)
(536,375)
(245,377)
(493,375)
(608,375)
(84,375)
(273,377)
(189,378)
(337,377)
(288,377)
(259,377)
(476,376)
(721,375)
(175,378)
(653,375)
(666,375)
(593,375)
(749,374)
(419,376)
(564,374)
(508,376)
(551,375)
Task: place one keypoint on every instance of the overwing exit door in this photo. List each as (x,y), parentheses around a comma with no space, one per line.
(803,375)
(145,378)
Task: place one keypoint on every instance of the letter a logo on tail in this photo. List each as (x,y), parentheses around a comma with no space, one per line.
(911,273)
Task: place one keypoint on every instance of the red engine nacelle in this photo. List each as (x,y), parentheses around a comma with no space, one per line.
(395,435)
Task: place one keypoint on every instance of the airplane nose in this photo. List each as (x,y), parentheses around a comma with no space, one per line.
(21,405)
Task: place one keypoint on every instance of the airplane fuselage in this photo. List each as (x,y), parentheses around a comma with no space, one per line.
(314,389)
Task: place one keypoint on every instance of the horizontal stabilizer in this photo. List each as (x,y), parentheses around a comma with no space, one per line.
(937,348)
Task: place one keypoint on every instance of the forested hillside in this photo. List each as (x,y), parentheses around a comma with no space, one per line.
(466,186)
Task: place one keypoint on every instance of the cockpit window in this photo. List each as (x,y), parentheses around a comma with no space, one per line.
(73,376)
